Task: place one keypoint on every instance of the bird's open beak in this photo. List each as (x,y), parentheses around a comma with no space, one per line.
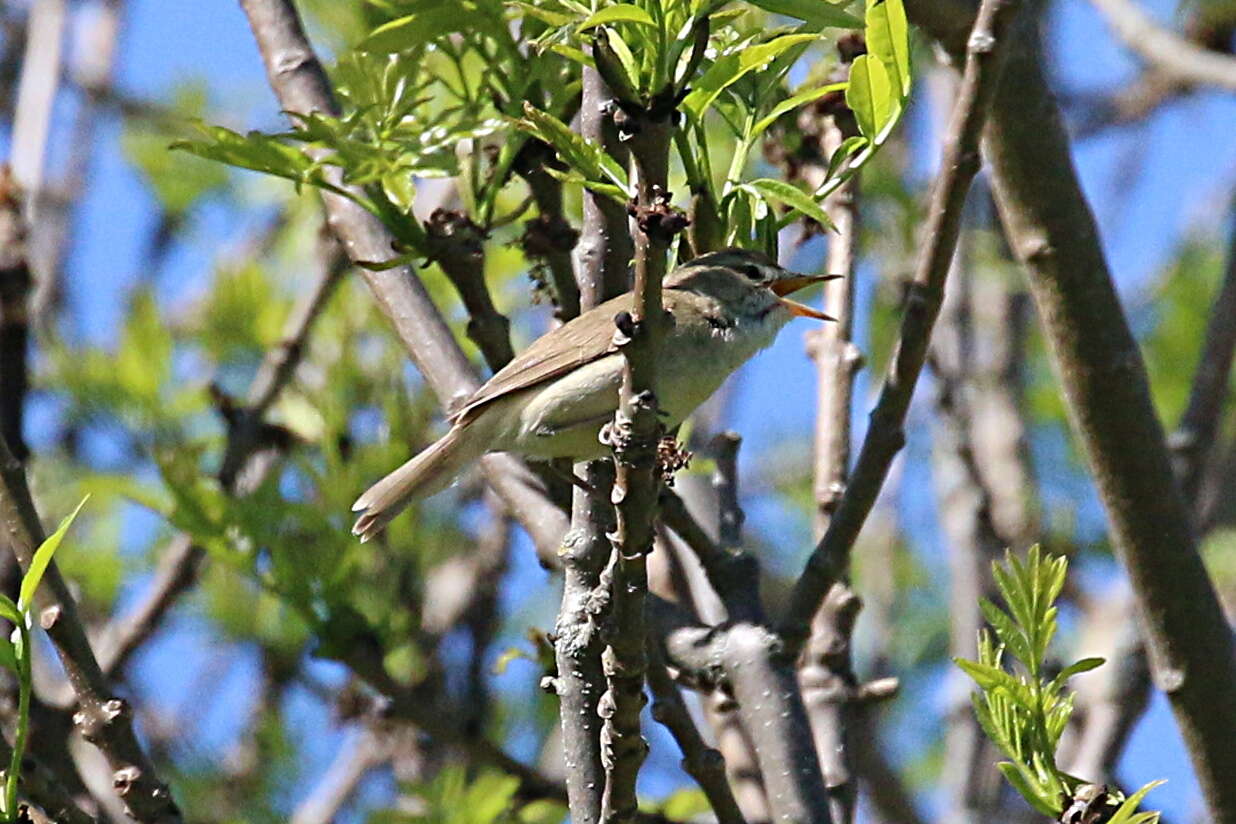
(788,286)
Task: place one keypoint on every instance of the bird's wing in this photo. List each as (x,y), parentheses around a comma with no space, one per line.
(580,341)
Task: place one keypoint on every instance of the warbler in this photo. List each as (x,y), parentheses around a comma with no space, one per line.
(552,400)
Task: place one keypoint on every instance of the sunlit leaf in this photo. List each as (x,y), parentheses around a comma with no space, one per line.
(621,13)
(9,611)
(589,159)
(730,67)
(1014,776)
(42,557)
(787,194)
(869,95)
(1125,813)
(414,30)
(793,102)
(888,41)
(817,13)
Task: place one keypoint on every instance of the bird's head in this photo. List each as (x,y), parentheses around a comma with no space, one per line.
(747,271)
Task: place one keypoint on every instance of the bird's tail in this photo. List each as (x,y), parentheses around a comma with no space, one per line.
(432,470)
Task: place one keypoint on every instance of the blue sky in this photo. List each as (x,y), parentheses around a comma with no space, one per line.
(1150,186)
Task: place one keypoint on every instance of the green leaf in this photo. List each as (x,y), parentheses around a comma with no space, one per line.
(1008,632)
(1084,665)
(8,656)
(584,156)
(621,13)
(734,65)
(42,557)
(888,41)
(817,13)
(848,147)
(553,18)
(542,811)
(986,676)
(617,64)
(869,95)
(573,54)
(611,191)
(1125,813)
(790,195)
(414,30)
(257,152)
(9,610)
(1021,783)
(791,103)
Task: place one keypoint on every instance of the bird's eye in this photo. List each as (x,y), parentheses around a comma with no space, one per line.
(751,271)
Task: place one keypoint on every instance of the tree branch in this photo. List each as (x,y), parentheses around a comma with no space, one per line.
(1053,233)
(331,793)
(1167,51)
(456,245)
(827,673)
(602,254)
(985,51)
(15,286)
(1193,442)
(700,761)
(633,435)
(103,719)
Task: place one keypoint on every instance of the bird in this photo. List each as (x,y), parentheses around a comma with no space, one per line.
(552,400)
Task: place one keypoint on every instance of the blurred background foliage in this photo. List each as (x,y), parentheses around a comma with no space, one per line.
(239,692)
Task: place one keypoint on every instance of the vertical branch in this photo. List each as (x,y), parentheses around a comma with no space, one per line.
(15,284)
(827,674)
(886,435)
(1114,703)
(549,236)
(36,95)
(602,253)
(701,762)
(1052,231)
(634,434)
(1194,439)
(837,359)
(972,786)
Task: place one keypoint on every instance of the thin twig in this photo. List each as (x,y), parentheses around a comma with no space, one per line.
(456,244)
(827,673)
(885,437)
(339,782)
(1194,439)
(102,718)
(700,761)
(732,575)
